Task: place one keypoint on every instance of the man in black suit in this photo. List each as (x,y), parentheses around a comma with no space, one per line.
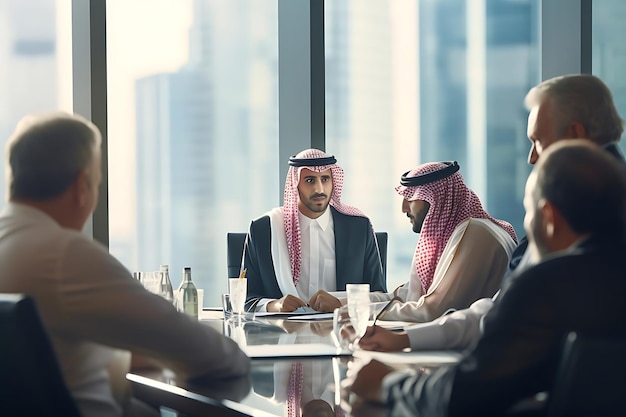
(312,245)
(576,224)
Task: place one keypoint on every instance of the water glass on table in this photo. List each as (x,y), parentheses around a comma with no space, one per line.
(151,281)
(227,307)
(237,289)
(358,306)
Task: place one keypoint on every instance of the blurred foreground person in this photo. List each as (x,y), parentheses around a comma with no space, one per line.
(89,302)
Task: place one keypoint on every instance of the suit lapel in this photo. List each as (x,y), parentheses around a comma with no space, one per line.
(340,250)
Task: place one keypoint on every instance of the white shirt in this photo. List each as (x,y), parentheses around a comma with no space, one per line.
(318,255)
(91,306)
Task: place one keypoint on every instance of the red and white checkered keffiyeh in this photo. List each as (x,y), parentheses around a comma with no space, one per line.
(294,393)
(451,203)
(291,199)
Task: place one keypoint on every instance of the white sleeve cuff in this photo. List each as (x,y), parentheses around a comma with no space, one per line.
(426,336)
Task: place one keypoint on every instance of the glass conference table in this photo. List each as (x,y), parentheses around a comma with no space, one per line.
(297,369)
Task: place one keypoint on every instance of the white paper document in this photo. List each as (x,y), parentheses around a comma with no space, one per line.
(309,317)
(297,313)
(293,351)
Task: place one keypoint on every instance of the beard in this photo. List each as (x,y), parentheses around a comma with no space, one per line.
(418,219)
(315,207)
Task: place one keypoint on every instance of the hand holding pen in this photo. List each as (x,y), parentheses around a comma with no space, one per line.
(383,340)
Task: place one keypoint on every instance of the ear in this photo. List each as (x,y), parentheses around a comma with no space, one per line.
(576,130)
(548,218)
(82,187)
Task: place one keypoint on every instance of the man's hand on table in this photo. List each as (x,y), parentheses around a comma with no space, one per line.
(286,304)
(383,340)
(323,301)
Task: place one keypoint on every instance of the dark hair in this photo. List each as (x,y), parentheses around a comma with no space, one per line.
(47,153)
(587,185)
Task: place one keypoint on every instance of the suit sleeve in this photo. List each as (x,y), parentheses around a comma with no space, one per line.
(373,267)
(261,278)
(508,364)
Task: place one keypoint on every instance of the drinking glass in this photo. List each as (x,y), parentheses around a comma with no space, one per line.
(151,281)
(227,307)
(237,288)
(234,329)
(343,330)
(358,306)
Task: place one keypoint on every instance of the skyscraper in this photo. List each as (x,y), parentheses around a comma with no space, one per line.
(207,142)
(28,62)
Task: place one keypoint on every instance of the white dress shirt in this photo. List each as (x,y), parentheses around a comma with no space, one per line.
(318,255)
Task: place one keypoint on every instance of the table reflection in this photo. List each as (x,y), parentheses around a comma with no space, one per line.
(306,387)
(282,386)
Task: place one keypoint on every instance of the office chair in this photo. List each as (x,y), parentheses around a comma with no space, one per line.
(235,242)
(31,380)
(234,253)
(381,239)
(591,379)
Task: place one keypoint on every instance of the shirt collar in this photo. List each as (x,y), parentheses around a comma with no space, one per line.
(26,210)
(323,220)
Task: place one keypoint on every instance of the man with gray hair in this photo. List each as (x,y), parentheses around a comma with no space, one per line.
(94,310)
(564,107)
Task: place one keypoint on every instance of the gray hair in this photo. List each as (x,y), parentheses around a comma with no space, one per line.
(46,153)
(583,98)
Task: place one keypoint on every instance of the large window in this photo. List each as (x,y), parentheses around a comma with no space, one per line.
(193,139)
(193,130)
(35,61)
(608,49)
(429,80)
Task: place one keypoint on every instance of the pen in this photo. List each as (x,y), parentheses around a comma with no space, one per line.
(385,308)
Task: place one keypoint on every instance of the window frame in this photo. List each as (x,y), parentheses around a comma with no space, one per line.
(564,49)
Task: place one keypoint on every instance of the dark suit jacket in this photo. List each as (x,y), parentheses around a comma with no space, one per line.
(519,352)
(356,257)
(519,251)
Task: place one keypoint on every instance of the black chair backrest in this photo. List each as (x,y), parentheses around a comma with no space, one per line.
(234,253)
(591,380)
(32,382)
(381,238)
(236,241)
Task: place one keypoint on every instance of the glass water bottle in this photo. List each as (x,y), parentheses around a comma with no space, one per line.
(165,285)
(188,295)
